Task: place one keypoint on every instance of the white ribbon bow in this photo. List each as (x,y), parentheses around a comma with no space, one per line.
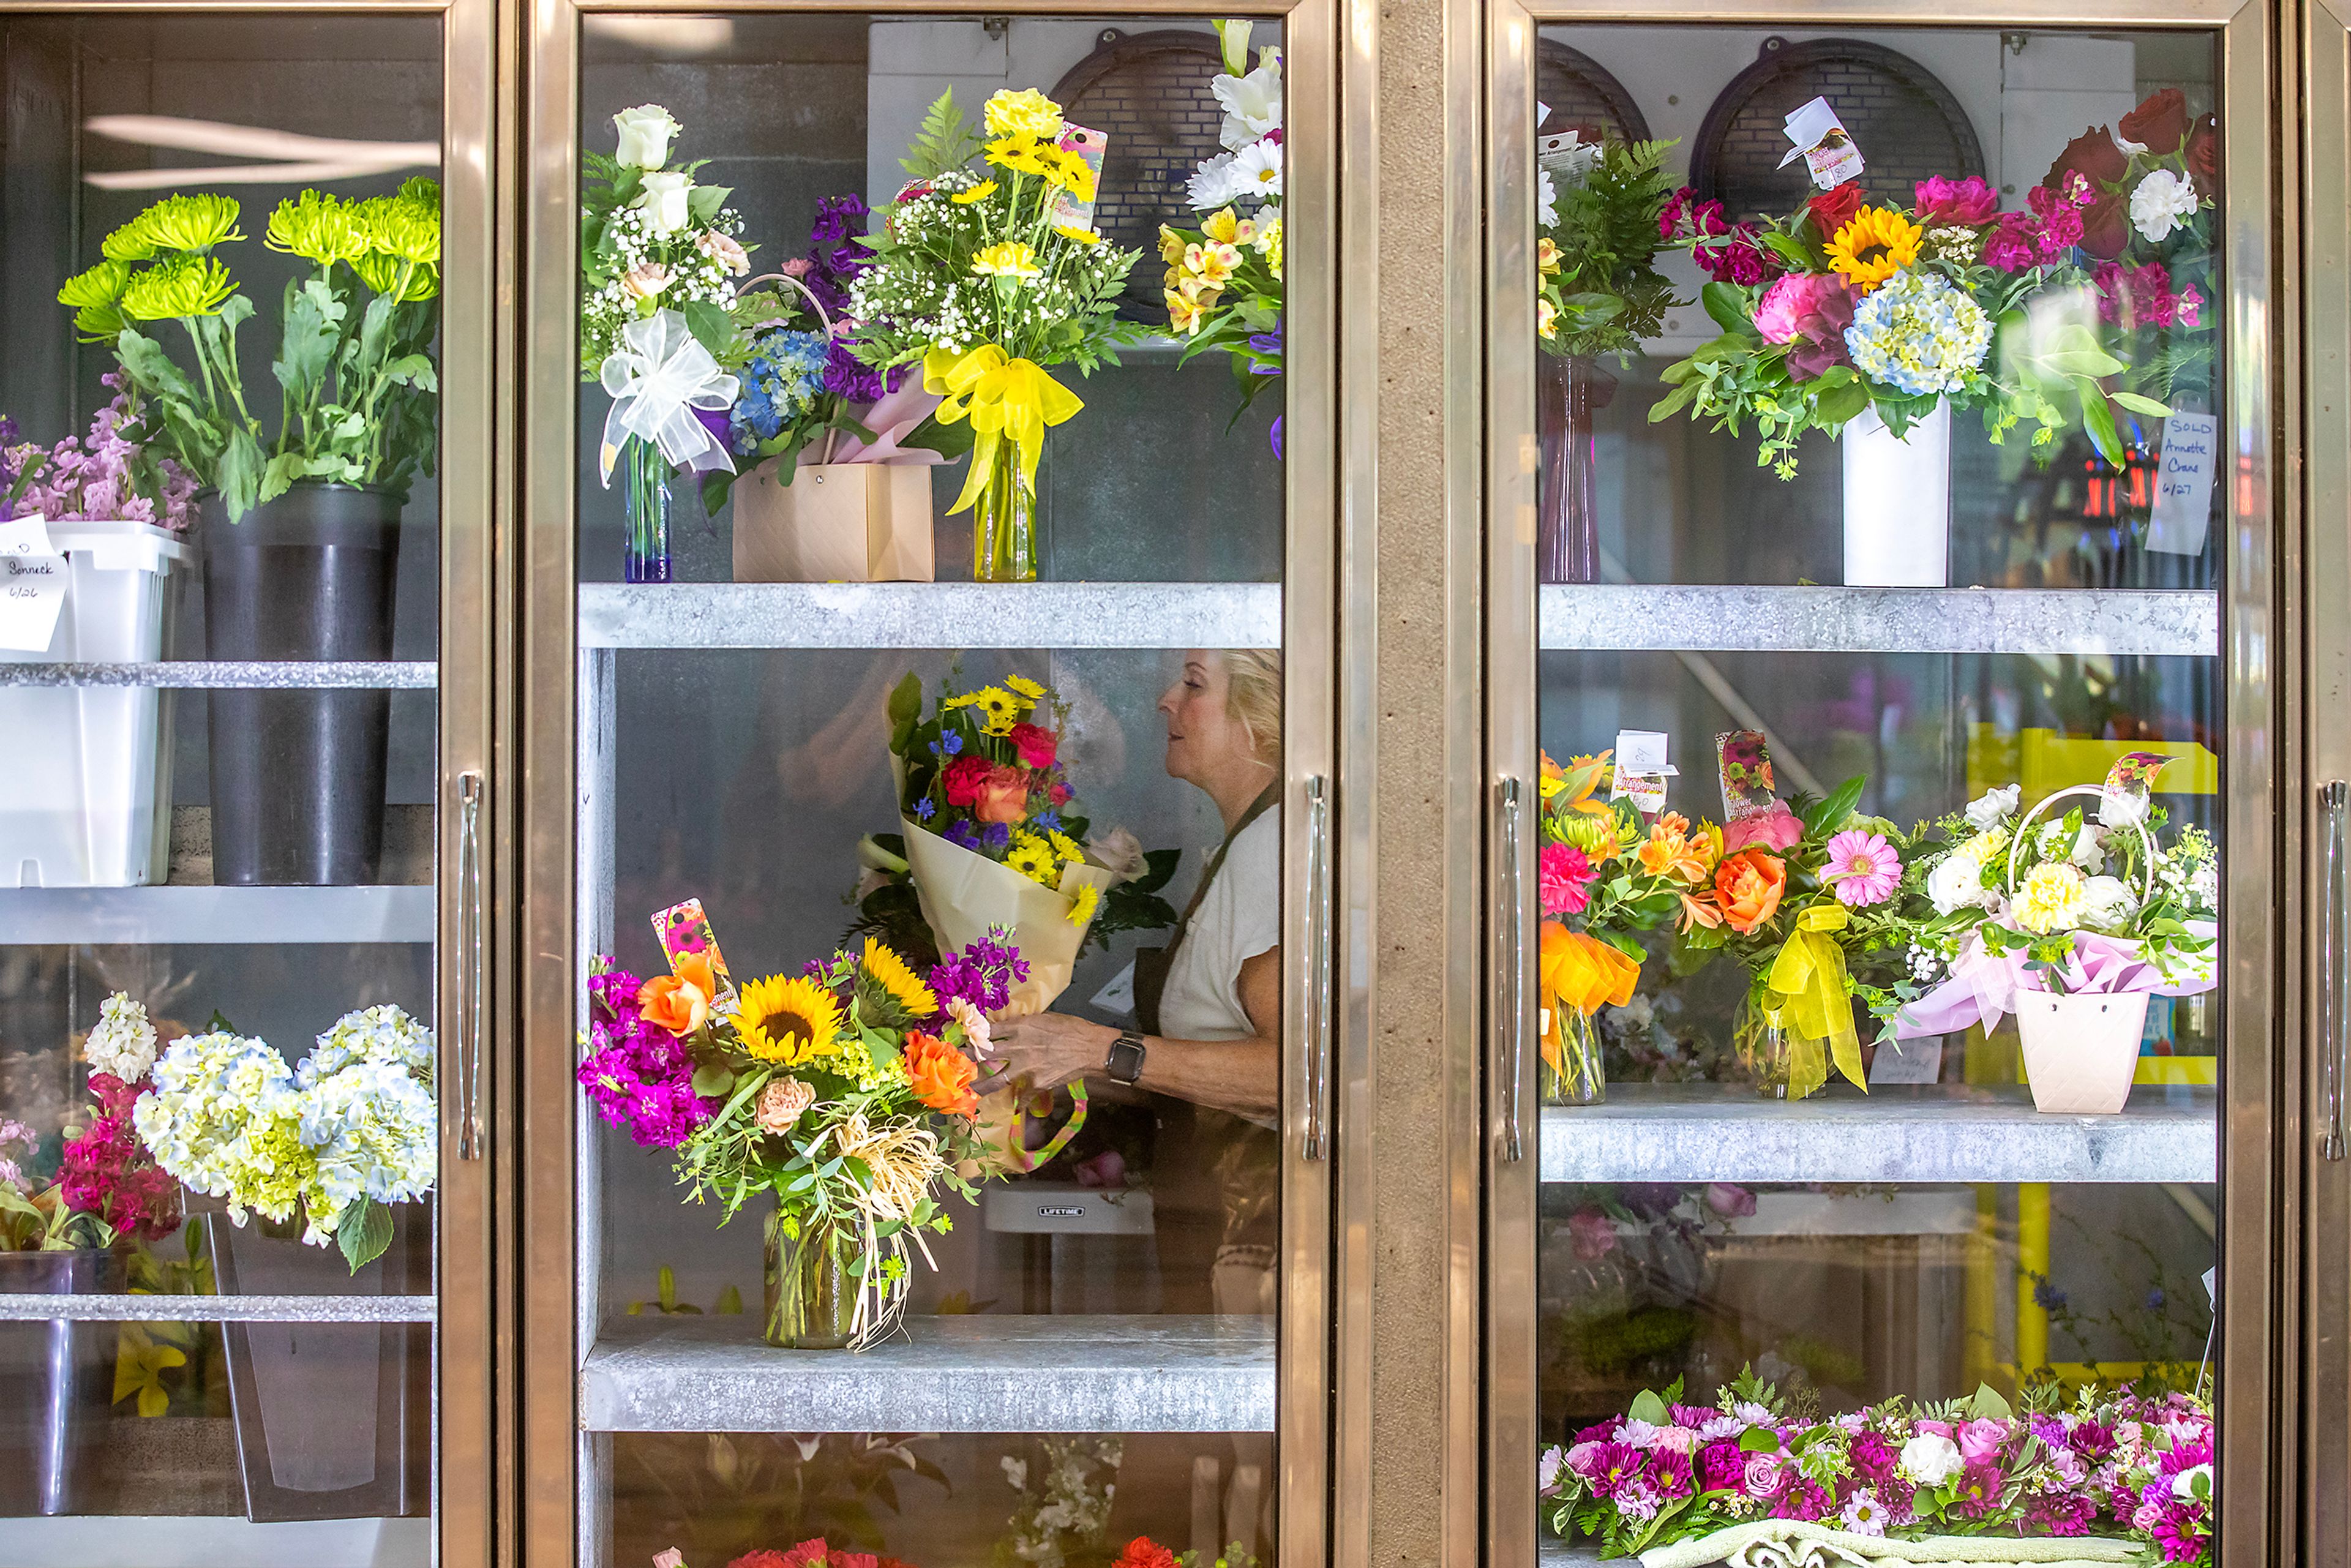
(657,378)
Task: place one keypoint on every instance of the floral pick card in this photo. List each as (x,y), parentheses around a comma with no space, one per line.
(683,928)
(1091,146)
(1744,760)
(2128,783)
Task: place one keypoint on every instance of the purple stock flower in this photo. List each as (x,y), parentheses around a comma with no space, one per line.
(961,833)
(837,218)
(983,974)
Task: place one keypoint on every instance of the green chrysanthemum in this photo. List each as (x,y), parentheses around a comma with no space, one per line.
(194,221)
(380,272)
(318,227)
(179,286)
(404,227)
(128,243)
(98,323)
(100,286)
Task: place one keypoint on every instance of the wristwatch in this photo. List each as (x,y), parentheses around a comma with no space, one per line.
(1124,1063)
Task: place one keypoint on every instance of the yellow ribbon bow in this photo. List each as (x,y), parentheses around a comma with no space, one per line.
(1003,398)
(1808,976)
(1580,973)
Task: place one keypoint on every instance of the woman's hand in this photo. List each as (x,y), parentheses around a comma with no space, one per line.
(1048,1050)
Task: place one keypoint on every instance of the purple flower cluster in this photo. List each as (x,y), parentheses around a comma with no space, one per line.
(639,1075)
(983,974)
(836,255)
(105,475)
(1729,252)
(2052,227)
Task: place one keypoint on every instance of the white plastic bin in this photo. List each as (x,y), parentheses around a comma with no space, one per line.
(86,796)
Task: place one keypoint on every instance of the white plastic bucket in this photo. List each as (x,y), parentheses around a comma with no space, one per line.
(1897,502)
(2080,1051)
(85,798)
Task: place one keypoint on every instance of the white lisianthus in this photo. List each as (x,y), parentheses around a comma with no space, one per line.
(1956,882)
(2163,202)
(665,201)
(1929,1459)
(1986,812)
(123,1043)
(1252,104)
(2123,809)
(645,131)
(2089,850)
(2107,903)
(2051,899)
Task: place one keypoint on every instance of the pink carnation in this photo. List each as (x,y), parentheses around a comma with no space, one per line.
(1943,202)
(1563,879)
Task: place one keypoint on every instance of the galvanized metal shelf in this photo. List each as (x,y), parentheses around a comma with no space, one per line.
(966,1374)
(157,1309)
(1612,617)
(930,615)
(108,1540)
(395,674)
(1937,1133)
(212,915)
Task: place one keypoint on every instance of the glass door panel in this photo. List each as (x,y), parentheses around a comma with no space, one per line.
(1806,1115)
(223,520)
(836,716)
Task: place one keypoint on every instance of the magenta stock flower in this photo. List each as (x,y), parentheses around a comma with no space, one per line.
(1863,868)
(1563,879)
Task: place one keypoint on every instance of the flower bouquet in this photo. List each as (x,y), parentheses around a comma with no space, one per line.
(987,276)
(812,1553)
(1224,284)
(836,489)
(658,260)
(994,836)
(1847,310)
(1599,293)
(2071,924)
(351,1130)
(1749,1481)
(106,1187)
(118,474)
(845,1091)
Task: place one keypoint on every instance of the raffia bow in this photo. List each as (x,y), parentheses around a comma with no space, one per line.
(1005,399)
(657,378)
(1807,981)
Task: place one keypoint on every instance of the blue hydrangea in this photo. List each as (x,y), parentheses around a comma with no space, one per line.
(779,386)
(1920,333)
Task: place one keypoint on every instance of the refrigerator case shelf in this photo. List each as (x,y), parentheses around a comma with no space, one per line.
(865,615)
(205,915)
(1621,618)
(205,674)
(979,1374)
(152,1309)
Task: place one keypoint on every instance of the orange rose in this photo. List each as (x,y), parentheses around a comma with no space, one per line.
(1003,795)
(681,1002)
(1748,886)
(941,1076)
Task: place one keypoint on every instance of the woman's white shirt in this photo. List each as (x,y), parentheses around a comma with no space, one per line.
(1240,918)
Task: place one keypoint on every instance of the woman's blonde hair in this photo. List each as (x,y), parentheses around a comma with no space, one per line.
(1253,696)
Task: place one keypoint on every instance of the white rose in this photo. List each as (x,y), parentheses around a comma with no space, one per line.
(2123,809)
(2107,903)
(2193,1482)
(644,132)
(1929,1459)
(1118,852)
(1985,813)
(2162,202)
(2089,850)
(1956,879)
(663,202)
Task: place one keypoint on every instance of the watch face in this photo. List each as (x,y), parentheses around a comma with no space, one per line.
(1126,1063)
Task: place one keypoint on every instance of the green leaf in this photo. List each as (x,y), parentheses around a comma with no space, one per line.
(2098,420)
(1647,1406)
(713,1080)
(945,142)
(241,471)
(1836,404)
(712,325)
(363,1232)
(1831,813)
(704,200)
(1759,1440)
(1989,1406)
(2146,406)
(1160,865)
(1727,305)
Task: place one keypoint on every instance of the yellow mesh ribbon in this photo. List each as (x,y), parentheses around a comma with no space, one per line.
(1579,972)
(1807,982)
(1005,399)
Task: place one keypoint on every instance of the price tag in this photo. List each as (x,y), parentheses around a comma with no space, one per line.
(1118,996)
(2183,484)
(32,586)
(1907,1061)
(1641,770)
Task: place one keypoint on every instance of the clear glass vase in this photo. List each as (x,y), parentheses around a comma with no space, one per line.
(1005,522)
(811,1285)
(1769,1053)
(1570,389)
(645,477)
(1573,1073)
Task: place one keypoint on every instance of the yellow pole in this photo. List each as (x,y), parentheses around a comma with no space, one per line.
(2031,1257)
(1978,1348)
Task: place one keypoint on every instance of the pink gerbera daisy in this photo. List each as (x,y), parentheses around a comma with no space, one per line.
(1863,868)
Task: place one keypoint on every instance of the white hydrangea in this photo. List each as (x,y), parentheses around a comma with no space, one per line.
(384,1035)
(123,1043)
(219,1121)
(1920,332)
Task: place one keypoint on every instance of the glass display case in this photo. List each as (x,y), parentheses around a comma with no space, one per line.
(1886,779)
(244,527)
(968,655)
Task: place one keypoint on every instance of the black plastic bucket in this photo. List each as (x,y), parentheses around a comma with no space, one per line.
(297,776)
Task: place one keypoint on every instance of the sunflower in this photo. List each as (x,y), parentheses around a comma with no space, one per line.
(1875,243)
(787,1020)
(893,980)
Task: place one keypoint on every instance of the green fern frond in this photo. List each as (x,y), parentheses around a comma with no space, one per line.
(945,141)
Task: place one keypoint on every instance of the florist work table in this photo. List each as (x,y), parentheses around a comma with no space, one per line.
(962,1374)
(1937,1133)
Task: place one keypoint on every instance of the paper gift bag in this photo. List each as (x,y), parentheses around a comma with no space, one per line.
(835,522)
(963,894)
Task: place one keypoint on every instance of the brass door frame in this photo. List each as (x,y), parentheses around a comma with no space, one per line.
(467,1392)
(1326,610)
(2260,637)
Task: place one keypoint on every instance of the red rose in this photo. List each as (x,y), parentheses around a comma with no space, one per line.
(2159,125)
(2204,156)
(1144,1552)
(1002,795)
(2105,227)
(1060,794)
(963,778)
(1831,210)
(1036,745)
(2094,153)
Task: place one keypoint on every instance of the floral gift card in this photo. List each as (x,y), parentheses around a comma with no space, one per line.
(1744,760)
(684,930)
(2128,783)
(1091,146)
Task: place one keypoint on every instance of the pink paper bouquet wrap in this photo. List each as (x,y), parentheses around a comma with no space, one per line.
(1984,985)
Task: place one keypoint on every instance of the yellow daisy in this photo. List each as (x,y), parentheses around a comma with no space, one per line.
(1066,847)
(889,971)
(1875,243)
(1022,155)
(1008,259)
(996,706)
(1081,908)
(979,192)
(1033,857)
(1025,686)
(1086,237)
(1070,171)
(787,1020)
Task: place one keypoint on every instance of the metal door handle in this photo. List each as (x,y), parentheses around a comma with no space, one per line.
(470,953)
(1512,1003)
(1319,981)
(2334,1008)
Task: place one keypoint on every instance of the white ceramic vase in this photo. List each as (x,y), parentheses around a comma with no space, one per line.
(1897,502)
(2081,1051)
